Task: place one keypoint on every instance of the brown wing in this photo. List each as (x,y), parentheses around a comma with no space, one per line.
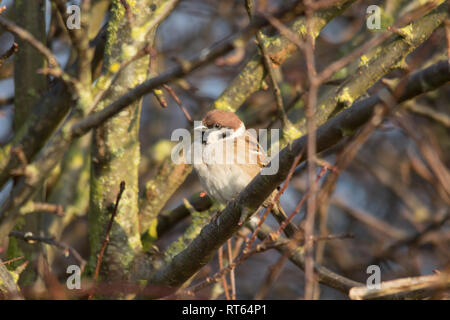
(256,147)
(250,155)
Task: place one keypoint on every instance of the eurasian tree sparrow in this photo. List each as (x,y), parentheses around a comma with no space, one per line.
(230,158)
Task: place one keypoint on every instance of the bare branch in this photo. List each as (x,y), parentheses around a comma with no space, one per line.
(9,53)
(182,69)
(28,37)
(213,235)
(270,70)
(414,287)
(31,238)
(8,287)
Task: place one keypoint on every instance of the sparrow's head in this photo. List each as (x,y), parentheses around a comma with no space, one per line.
(220,124)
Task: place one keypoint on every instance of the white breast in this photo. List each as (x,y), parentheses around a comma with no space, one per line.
(221,179)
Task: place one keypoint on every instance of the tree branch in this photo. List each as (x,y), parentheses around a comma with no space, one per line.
(55,149)
(182,69)
(30,238)
(213,235)
(388,57)
(28,37)
(279,48)
(46,115)
(8,288)
(414,287)
(325,276)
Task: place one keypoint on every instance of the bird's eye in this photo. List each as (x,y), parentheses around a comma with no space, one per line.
(218,126)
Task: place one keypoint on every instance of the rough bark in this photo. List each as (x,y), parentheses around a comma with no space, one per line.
(28,87)
(8,287)
(70,191)
(115,152)
(160,189)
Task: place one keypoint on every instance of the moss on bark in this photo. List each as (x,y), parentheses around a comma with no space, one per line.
(115,152)
(28,87)
(279,49)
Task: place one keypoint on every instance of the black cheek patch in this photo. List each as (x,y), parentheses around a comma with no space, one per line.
(203,138)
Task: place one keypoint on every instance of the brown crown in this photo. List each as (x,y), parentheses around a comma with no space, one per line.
(224,118)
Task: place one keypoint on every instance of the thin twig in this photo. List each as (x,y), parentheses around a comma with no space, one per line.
(297,208)
(127,11)
(178,101)
(31,238)
(372,43)
(9,53)
(39,46)
(26,36)
(12,260)
(224,278)
(409,240)
(272,203)
(23,161)
(270,71)
(152,70)
(181,69)
(297,256)
(285,31)
(430,155)
(256,193)
(273,273)
(52,208)
(56,209)
(370,220)
(414,287)
(106,240)
(53,287)
(113,78)
(217,276)
(343,160)
(159,96)
(79,39)
(232,276)
(311,153)
(325,74)
(428,112)
(275,270)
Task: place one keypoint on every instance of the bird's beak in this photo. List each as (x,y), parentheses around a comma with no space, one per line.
(200,128)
